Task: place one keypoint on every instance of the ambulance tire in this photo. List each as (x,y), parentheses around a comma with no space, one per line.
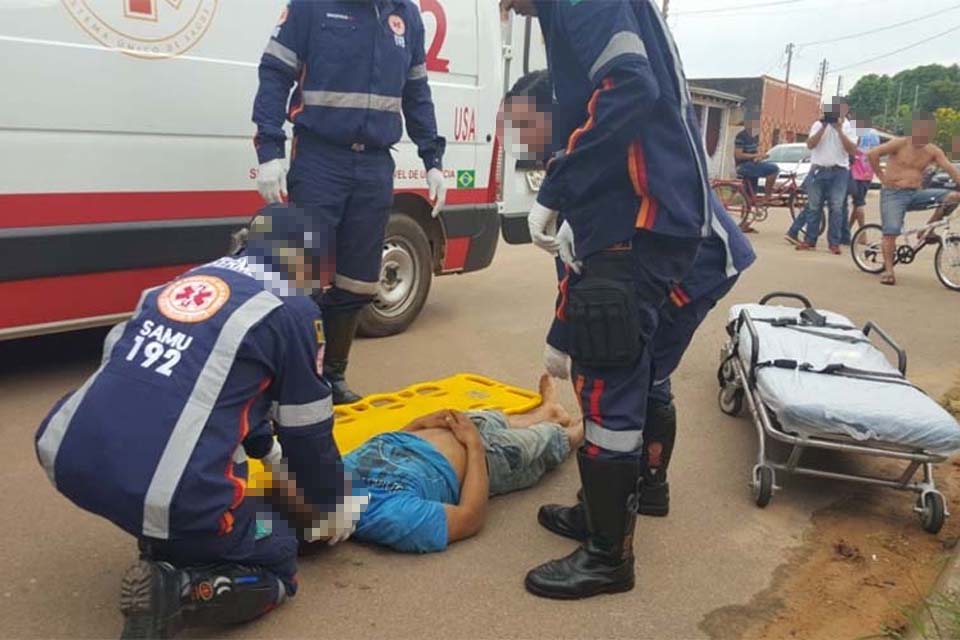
(405,278)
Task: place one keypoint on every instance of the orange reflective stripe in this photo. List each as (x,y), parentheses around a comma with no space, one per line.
(637,164)
(592,116)
(298,109)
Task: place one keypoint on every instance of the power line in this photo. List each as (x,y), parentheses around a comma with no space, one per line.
(735,7)
(880,29)
(900,50)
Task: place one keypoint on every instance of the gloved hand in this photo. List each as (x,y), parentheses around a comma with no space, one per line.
(543,227)
(438,190)
(566,248)
(338,526)
(556,362)
(272,181)
(275,455)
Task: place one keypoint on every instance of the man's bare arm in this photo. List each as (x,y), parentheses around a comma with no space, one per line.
(467,518)
(850,146)
(886,149)
(944,163)
(815,139)
(435,420)
(740,155)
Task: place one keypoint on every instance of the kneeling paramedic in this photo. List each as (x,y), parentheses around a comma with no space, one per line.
(360,71)
(157,439)
(631,182)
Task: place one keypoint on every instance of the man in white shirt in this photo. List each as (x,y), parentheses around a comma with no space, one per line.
(832,141)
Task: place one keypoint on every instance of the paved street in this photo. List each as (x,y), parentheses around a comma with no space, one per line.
(62,567)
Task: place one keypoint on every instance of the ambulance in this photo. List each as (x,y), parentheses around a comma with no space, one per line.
(127,152)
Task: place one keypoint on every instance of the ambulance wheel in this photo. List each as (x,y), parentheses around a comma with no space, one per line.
(731,400)
(762,486)
(933,512)
(405,278)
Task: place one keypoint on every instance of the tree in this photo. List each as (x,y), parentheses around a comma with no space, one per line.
(948,130)
(935,86)
(870,95)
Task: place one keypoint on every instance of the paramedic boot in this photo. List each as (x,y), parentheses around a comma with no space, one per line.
(569,522)
(158,600)
(604,563)
(659,436)
(340,329)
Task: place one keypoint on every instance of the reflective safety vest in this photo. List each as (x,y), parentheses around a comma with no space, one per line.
(156,440)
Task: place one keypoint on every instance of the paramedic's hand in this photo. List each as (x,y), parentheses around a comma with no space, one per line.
(438,190)
(275,455)
(566,248)
(338,526)
(543,227)
(272,181)
(556,362)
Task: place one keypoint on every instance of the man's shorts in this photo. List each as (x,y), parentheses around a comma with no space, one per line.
(858,191)
(518,458)
(894,204)
(757,169)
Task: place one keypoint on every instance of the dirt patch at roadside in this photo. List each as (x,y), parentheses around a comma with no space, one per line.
(862,567)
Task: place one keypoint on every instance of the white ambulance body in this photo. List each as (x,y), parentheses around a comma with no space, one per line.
(127,152)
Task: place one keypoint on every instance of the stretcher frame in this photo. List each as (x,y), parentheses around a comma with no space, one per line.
(738,384)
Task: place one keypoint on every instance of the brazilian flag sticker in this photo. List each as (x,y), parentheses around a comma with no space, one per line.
(466,179)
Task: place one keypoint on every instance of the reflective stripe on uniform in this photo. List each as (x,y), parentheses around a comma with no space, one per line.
(619,441)
(196,412)
(340,100)
(285,55)
(621,44)
(418,72)
(49,444)
(355,286)
(240,455)
(304,415)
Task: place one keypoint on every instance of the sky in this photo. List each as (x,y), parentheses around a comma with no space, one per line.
(752,39)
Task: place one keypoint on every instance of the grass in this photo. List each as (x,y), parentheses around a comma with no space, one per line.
(937,619)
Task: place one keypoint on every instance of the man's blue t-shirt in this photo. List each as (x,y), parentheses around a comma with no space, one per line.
(409,482)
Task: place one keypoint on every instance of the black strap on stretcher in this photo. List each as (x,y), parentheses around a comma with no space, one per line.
(841,370)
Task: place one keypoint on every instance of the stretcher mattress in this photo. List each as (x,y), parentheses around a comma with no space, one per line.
(865,399)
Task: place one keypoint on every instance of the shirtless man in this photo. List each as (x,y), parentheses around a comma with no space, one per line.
(902,183)
(429,482)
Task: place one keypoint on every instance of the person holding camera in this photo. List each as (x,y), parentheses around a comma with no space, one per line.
(833,139)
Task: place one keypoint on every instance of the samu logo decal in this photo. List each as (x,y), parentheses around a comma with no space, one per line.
(144,28)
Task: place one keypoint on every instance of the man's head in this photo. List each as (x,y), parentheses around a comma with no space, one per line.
(523,7)
(923,128)
(527,109)
(751,122)
(837,108)
(282,239)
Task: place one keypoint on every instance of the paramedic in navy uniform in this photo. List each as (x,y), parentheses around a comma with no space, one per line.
(157,439)
(359,71)
(631,184)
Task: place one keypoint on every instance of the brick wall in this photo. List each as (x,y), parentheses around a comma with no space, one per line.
(803,109)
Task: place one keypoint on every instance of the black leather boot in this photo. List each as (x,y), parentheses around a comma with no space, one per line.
(569,522)
(340,329)
(604,563)
(659,437)
(150,601)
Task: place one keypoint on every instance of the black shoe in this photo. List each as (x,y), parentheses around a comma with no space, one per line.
(150,601)
(654,499)
(339,330)
(569,522)
(604,563)
(338,386)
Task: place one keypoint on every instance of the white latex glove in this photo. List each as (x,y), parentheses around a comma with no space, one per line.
(339,525)
(566,248)
(543,227)
(438,190)
(556,362)
(275,455)
(272,181)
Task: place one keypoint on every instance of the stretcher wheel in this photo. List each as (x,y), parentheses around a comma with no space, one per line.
(763,486)
(933,512)
(725,373)
(731,400)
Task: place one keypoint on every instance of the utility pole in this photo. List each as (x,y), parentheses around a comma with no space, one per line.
(899,97)
(916,97)
(786,92)
(822,77)
(666,9)
(839,86)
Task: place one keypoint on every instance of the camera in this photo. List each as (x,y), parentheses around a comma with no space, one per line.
(830,118)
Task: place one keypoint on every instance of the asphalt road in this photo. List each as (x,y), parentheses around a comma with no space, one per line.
(61,567)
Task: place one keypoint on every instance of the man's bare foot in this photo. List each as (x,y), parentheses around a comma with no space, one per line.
(888,278)
(551,408)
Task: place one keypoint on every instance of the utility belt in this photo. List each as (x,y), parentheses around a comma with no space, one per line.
(303,136)
(603,312)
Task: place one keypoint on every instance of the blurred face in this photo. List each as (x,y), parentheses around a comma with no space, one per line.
(922,132)
(531,126)
(752,124)
(523,7)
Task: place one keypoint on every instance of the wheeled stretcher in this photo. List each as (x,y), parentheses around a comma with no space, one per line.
(813,380)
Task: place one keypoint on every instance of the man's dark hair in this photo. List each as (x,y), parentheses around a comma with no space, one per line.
(923,116)
(535,85)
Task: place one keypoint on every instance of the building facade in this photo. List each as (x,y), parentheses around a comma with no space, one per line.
(780,122)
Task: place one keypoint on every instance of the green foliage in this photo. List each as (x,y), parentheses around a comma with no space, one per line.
(948,134)
(931,87)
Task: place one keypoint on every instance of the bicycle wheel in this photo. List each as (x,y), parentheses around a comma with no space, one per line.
(947,262)
(733,201)
(866,247)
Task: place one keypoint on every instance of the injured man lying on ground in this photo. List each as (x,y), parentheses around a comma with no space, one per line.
(429,482)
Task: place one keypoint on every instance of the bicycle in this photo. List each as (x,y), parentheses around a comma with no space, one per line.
(740,198)
(867,252)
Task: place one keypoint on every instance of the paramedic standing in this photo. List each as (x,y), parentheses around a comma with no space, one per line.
(631,183)
(359,70)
